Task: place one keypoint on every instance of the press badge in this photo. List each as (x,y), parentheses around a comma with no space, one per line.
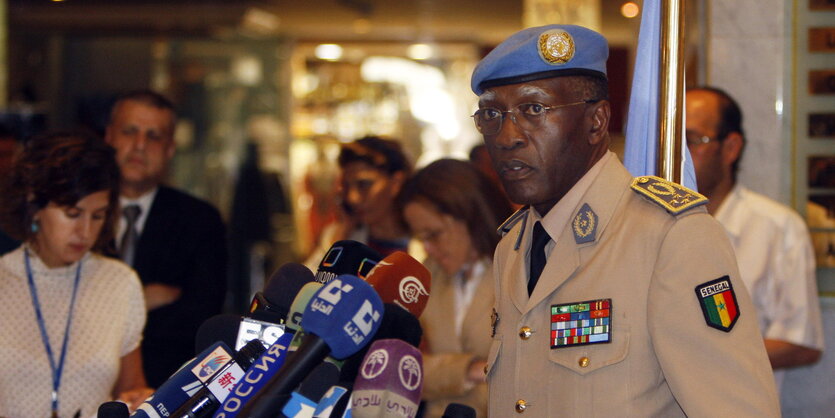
(581,323)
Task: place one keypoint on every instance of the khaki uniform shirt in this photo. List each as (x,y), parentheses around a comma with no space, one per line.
(449,353)
(662,358)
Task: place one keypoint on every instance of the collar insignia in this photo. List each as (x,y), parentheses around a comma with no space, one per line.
(584,225)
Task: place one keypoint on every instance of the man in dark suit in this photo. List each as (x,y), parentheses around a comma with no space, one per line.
(175,242)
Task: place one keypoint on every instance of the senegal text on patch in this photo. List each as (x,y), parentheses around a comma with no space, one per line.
(715,288)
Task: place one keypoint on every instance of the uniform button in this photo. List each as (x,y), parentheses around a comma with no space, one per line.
(525,333)
(485,369)
(521,406)
(583,362)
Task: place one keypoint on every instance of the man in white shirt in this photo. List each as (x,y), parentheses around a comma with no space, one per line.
(771,241)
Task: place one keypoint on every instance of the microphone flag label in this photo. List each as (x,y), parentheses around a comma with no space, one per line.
(214,362)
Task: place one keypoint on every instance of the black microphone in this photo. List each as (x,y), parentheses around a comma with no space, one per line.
(222,327)
(270,308)
(208,399)
(457,410)
(302,402)
(347,257)
(113,409)
(339,320)
(273,303)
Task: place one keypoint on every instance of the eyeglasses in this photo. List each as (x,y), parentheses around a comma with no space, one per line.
(694,139)
(488,120)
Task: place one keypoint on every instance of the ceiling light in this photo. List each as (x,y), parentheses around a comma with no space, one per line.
(629,10)
(329,52)
(420,51)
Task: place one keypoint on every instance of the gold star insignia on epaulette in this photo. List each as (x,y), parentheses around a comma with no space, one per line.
(673,197)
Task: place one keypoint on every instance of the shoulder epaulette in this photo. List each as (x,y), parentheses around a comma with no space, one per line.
(673,197)
(510,222)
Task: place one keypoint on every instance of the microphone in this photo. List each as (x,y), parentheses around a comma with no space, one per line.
(270,308)
(185,382)
(397,323)
(457,410)
(256,377)
(294,317)
(402,280)
(113,409)
(273,303)
(221,327)
(347,257)
(390,381)
(207,400)
(302,403)
(339,320)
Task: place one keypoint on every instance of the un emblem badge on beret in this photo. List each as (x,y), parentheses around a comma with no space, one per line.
(556,46)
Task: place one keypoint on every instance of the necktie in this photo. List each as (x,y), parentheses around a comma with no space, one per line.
(128,245)
(538,258)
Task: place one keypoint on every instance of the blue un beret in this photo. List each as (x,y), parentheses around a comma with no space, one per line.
(542,52)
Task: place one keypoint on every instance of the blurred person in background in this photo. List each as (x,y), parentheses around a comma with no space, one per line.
(454,210)
(72,318)
(372,171)
(770,240)
(175,241)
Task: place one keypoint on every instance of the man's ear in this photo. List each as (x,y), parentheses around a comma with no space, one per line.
(601,112)
(732,148)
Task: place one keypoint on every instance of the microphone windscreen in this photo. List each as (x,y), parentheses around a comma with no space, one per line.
(402,280)
(397,323)
(457,410)
(256,377)
(347,257)
(390,381)
(113,409)
(273,304)
(345,313)
(294,318)
(223,327)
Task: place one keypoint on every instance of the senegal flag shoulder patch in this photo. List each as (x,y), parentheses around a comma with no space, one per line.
(718,303)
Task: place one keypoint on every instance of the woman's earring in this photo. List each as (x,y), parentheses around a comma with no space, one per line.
(34,227)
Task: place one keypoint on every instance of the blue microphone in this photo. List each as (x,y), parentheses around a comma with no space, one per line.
(256,377)
(340,319)
(186,382)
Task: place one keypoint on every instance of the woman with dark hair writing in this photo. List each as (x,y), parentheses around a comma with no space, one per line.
(72,318)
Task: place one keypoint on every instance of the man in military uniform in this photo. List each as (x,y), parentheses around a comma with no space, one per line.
(615,296)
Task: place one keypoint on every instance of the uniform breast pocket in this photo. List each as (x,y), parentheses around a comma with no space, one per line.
(493,355)
(585,359)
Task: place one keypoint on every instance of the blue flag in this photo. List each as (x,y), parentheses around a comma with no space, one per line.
(641,152)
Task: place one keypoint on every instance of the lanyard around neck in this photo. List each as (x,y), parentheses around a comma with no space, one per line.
(57,370)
